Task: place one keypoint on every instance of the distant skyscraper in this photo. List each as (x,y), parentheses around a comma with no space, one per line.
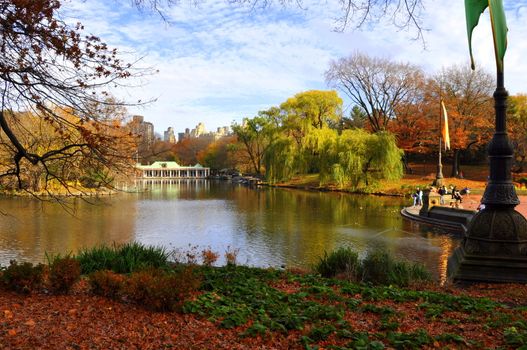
(169,135)
(143,129)
(200,132)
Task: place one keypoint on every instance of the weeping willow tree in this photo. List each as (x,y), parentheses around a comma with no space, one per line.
(347,158)
(281,160)
(354,158)
(308,142)
(315,144)
(362,159)
(286,157)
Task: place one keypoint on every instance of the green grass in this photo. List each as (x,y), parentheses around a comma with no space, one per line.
(124,258)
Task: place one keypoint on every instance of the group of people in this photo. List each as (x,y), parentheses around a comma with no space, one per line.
(418,197)
(455,193)
(443,192)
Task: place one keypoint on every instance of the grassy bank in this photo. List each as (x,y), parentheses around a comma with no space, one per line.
(239,307)
(402,187)
(423,175)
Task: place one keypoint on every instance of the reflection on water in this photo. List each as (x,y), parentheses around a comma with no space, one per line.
(271,227)
(30,227)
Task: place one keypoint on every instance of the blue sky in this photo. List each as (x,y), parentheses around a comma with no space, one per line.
(219,63)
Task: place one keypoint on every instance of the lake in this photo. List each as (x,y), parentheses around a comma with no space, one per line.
(267,226)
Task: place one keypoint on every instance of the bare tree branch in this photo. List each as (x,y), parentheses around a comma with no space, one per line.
(403,14)
(376,85)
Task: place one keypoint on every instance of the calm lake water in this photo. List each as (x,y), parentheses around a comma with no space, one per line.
(269,226)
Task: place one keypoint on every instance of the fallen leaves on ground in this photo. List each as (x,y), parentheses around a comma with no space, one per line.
(84,321)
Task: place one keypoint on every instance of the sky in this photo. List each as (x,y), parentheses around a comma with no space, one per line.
(218,63)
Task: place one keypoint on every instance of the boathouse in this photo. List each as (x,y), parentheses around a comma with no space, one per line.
(171,170)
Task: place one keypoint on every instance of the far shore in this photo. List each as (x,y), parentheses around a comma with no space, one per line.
(61,194)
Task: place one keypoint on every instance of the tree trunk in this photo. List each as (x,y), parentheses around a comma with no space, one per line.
(365,171)
(35,177)
(406,167)
(455,164)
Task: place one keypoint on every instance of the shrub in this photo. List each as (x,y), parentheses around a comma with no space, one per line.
(22,278)
(63,273)
(209,257)
(160,290)
(122,259)
(343,262)
(187,256)
(379,267)
(376,266)
(231,256)
(106,283)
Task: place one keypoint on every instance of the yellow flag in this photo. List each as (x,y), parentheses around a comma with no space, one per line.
(444,127)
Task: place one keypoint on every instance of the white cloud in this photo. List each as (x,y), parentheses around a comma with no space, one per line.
(220,62)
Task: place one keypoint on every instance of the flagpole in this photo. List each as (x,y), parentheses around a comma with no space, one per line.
(439,175)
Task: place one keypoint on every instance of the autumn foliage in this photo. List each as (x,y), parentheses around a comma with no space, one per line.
(106,283)
(56,111)
(160,290)
(21,277)
(63,273)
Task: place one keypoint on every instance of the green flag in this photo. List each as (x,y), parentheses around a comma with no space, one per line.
(473,10)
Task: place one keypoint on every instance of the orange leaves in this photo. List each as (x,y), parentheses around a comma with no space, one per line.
(86,321)
(415,128)
(30,323)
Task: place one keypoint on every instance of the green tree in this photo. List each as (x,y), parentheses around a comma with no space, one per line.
(314,108)
(218,155)
(255,136)
(281,159)
(310,140)
(361,158)
(357,119)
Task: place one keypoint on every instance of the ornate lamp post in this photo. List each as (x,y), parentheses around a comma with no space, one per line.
(494,248)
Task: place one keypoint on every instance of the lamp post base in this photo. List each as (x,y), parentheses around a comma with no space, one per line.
(494,249)
(438,182)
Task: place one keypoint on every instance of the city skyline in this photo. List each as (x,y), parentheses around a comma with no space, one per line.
(220,63)
(145,127)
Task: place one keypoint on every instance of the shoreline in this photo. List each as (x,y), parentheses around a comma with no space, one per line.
(330,189)
(470,201)
(73,194)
